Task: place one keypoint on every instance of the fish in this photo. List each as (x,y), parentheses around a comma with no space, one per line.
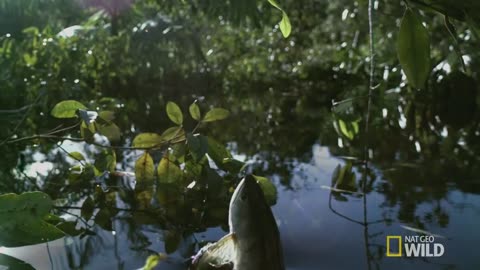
(253,242)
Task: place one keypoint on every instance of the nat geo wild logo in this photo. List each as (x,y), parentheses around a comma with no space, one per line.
(414,246)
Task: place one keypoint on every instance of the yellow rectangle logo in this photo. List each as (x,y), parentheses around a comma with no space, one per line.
(397,238)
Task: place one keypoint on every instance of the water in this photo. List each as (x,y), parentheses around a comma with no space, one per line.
(313,236)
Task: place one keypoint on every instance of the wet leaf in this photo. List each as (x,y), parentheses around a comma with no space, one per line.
(198,146)
(216,114)
(168,172)
(22,219)
(174,113)
(8,262)
(268,188)
(144,169)
(285,25)
(195,111)
(67,109)
(413,49)
(87,208)
(147,140)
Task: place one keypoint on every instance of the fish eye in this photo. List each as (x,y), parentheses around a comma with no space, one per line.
(243,196)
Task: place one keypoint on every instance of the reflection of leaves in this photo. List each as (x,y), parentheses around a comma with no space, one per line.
(144,169)
(171,240)
(413,49)
(22,219)
(67,109)
(343,182)
(346,178)
(174,113)
(153,260)
(13,263)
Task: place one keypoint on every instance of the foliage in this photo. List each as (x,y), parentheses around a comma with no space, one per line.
(107,75)
(413,49)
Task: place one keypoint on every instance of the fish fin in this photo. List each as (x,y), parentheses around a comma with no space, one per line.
(219,255)
(224,266)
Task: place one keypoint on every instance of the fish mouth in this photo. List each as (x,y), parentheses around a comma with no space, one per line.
(247,183)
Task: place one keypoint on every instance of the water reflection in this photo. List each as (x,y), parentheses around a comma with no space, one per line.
(316,230)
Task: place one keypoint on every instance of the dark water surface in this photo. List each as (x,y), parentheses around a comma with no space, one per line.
(317,232)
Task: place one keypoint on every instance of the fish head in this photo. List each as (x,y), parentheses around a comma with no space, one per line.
(247,204)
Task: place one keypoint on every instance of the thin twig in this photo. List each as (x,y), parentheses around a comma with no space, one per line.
(24,117)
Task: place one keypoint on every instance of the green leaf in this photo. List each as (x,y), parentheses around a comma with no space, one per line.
(144,169)
(22,219)
(285,25)
(67,109)
(216,114)
(198,146)
(76,155)
(345,131)
(111,131)
(222,157)
(86,131)
(147,140)
(87,208)
(214,182)
(106,160)
(103,219)
(217,151)
(168,172)
(195,111)
(30,59)
(413,49)
(153,260)
(268,188)
(8,262)
(173,134)
(174,113)
(107,115)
